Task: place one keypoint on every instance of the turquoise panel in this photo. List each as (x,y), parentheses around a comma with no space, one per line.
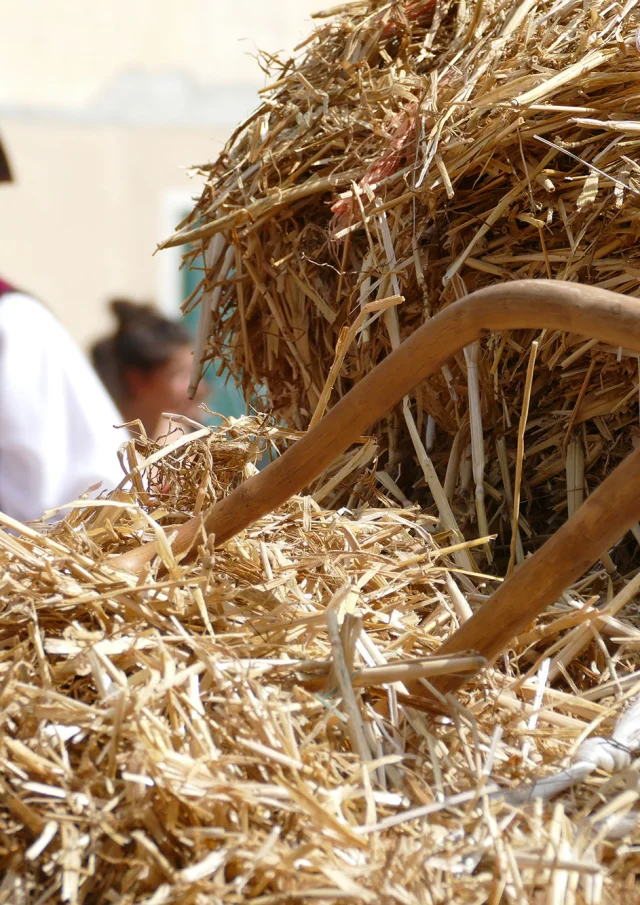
(224,397)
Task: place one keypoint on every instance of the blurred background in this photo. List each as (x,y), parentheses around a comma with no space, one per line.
(103,107)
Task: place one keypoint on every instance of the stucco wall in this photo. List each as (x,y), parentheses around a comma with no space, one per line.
(63,53)
(88,207)
(103,106)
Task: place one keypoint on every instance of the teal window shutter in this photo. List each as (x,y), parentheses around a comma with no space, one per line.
(223,397)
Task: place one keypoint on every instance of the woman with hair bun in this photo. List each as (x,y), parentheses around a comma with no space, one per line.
(145,365)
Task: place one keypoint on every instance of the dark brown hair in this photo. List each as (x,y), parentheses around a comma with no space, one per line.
(5,169)
(144,340)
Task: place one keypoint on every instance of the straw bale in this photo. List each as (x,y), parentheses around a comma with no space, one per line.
(237,729)
(423,150)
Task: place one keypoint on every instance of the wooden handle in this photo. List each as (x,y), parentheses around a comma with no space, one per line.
(586,310)
(603,518)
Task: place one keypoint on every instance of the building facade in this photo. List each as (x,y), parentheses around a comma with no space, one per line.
(103,109)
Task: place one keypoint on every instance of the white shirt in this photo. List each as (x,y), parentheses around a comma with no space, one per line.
(57,422)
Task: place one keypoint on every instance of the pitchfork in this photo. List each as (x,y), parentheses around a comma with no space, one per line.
(607,514)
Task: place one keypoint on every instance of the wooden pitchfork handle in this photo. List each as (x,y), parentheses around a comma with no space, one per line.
(557,305)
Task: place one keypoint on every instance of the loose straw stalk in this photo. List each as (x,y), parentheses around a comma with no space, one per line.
(472,355)
(524,414)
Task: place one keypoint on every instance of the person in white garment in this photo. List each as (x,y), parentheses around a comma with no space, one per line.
(58,435)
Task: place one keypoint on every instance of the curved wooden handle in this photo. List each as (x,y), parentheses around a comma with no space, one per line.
(571,307)
(608,513)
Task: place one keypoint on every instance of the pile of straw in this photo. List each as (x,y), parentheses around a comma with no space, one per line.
(237,729)
(413,152)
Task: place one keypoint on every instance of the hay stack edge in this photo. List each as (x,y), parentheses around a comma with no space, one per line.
(238,724)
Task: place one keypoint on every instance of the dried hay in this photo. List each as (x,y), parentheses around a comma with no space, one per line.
(416,151)
(236,729)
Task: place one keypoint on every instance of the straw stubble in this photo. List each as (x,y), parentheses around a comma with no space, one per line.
(239,728)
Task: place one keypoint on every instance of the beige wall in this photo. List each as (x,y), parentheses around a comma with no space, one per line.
(62,52)
(102,107)
(87,209)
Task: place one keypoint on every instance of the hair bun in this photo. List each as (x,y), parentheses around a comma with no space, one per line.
(144,339)
(128,313)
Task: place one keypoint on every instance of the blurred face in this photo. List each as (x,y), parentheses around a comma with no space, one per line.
(170,382)
(165,389)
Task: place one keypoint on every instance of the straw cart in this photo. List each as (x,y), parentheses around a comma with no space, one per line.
(215,689)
